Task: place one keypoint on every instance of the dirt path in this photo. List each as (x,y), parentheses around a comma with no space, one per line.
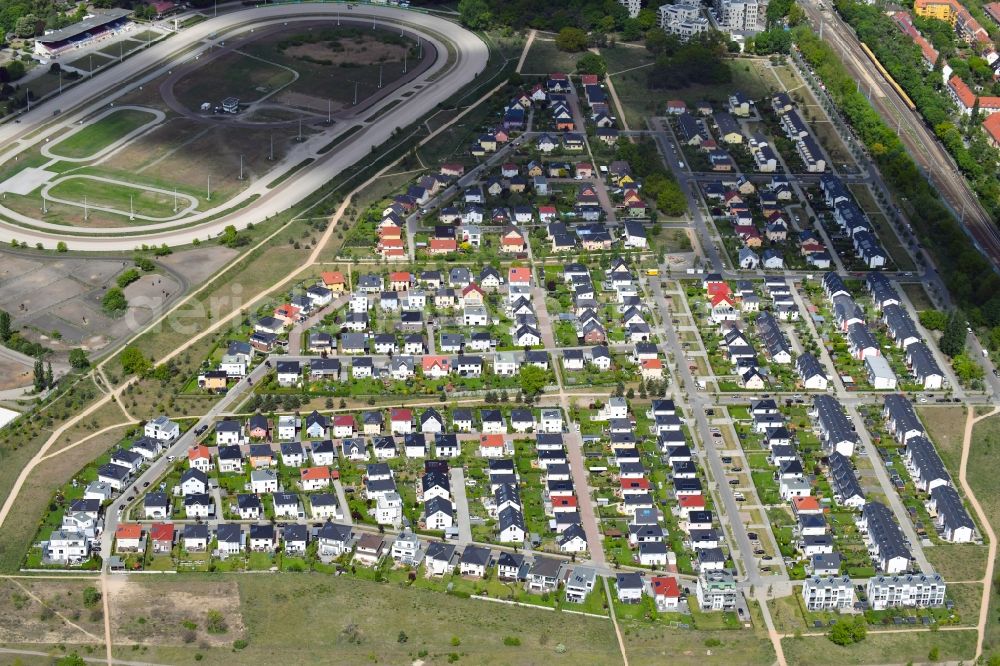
(984,608)
(614,620)
(524,53)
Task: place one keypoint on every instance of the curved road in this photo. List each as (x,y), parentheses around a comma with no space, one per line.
(471,55)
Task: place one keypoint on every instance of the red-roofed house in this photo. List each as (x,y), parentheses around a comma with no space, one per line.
(689,503)
(493,446)
(666,593)
(442,245)
(633,486)
(992,128)
(519,275)
(806,505)
(993,10)
(961,94)
(452,169)
(589,79)
(162,536)
(200,457)
(128,536)
(676,107)
(652,368)
(401,421)
(343,425)
(512,241)
(334,281)
(564,504)
(315,478)
(436,367)
(399,280)
(547,213)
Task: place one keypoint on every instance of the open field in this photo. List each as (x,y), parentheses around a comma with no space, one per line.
(918,296)
(958,561)
(881,648)
(98,135)
(544,58)
(46,611)
(231,75)
(651,645)
(946,426)
(357,620)
(639,102)
(982,478)
(117,196)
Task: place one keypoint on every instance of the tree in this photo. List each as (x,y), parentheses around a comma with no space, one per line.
(91,597)
(571,39)
(114,302)
(953,341)
(532,379)
(39,376)
(72,659)
(134,362)
(847,633)
(15,69)
(78,359)
(128,277)
(26,26)
(49,380)
(144,263)
(475,14)
(966,368)
(230,237)
(591,63)
(61,246)
(5,329)
(933,320)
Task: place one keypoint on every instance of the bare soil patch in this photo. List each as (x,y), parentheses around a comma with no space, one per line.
(363,51)
(179,605)
(198,264)
(45,611)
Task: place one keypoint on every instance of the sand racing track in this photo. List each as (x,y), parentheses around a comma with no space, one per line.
(402,106)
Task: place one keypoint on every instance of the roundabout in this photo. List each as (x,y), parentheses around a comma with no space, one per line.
(111,165)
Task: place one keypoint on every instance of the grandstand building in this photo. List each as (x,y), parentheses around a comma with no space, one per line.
(95,27)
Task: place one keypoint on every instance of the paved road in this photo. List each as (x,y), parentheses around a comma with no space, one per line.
(461,505)
(177,450)
(895,503)
(699,402)
(146,66)
(345,508)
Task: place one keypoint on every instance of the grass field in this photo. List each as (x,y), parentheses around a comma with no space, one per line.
(946,426)
(544,58)
(982,479)
(304,619)
(96,136)
(662,645)
(885,648)
(97,61)
(120,197)
(639,102)
(918,296)
(231,75)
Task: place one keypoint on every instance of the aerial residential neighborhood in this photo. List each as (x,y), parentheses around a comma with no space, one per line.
(499,333)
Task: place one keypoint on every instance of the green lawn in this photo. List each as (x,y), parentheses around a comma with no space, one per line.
(101,134)
(897,648)
(119,197)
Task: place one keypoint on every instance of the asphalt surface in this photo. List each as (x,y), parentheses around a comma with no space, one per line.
(431,87)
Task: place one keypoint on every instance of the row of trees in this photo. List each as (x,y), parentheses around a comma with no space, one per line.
(967,274)
(904,61)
